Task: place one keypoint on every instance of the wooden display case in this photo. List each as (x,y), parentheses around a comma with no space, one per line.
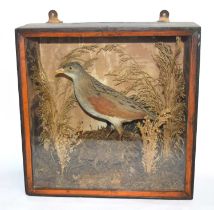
(127,126)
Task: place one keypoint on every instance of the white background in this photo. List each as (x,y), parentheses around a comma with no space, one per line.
(16,13)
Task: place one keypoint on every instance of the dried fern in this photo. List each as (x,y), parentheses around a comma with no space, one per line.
(171,80)
(42,94)
(54,117)
(151,135)
(81,55)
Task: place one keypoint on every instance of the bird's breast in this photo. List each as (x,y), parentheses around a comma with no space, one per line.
(83,93)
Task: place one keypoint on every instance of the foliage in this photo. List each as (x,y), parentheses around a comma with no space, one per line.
(171,80)
(53,109)
(151,133)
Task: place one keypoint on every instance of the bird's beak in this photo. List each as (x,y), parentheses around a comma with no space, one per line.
(60,71)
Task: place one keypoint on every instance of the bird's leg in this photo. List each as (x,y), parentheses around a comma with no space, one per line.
(119,129)
(109,127)
(121,136)
(110,132)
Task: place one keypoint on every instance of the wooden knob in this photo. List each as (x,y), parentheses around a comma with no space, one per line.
(53,17)
(164,16)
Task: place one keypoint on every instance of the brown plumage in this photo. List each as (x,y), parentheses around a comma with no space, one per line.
(101,101)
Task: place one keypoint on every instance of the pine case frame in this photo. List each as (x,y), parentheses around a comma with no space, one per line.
(190,31)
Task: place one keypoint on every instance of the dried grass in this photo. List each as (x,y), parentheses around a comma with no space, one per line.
(151,134)
(53,109)
(171,80)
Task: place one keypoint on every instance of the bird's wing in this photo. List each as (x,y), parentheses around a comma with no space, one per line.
(113,108)
(118,99)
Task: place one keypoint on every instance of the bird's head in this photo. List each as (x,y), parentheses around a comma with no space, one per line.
(71,70)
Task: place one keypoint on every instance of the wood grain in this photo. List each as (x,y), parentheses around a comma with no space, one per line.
(25,114)
(107,33)
(192,114)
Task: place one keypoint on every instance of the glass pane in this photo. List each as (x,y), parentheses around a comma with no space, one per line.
(114,118)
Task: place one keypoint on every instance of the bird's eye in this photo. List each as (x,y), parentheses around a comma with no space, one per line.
(70,67)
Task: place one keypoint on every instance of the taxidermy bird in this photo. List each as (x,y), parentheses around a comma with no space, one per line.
(100,101)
